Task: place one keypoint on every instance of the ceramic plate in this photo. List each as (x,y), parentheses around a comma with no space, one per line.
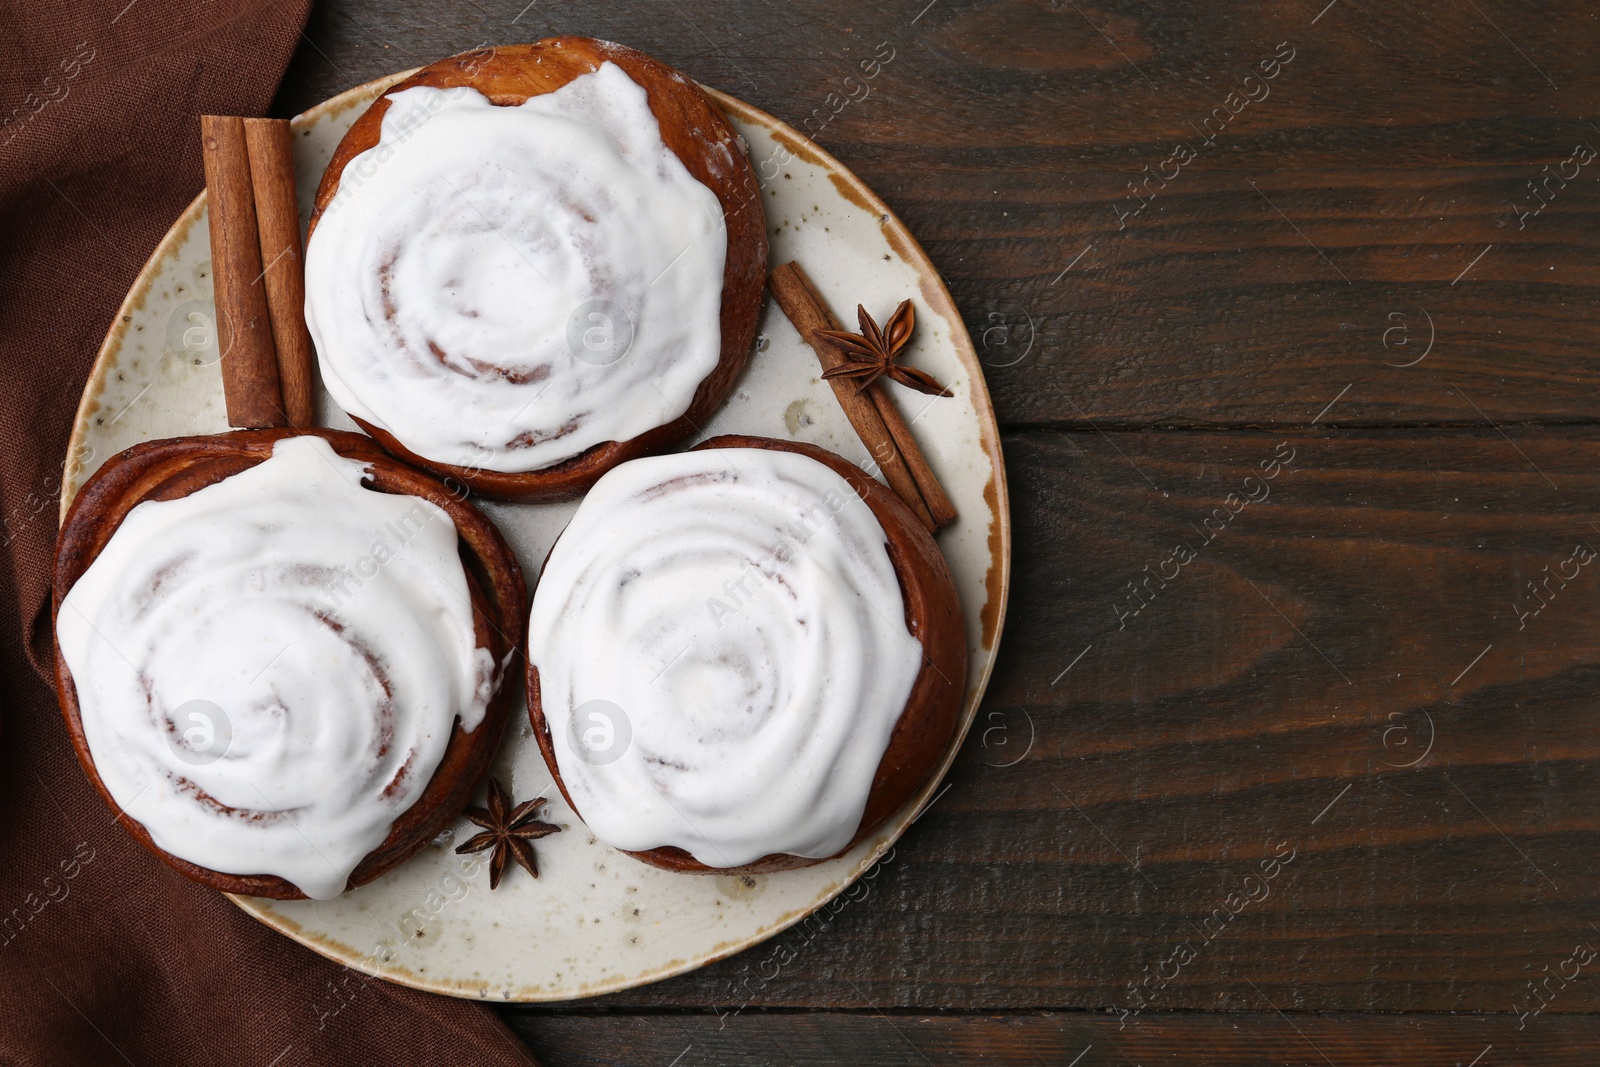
(597,920)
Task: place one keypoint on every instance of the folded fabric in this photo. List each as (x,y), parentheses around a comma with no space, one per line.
(106,955)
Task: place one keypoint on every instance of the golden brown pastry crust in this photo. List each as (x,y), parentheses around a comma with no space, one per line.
(928,724)
(176,467)
(697,133)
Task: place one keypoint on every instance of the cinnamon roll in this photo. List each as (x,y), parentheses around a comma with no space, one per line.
(528,264)
(282,657)
(744,657)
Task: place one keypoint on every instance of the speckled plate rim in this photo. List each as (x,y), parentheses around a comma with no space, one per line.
(998,585)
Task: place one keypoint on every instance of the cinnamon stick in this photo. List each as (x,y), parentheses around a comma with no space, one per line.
(873,414)
(244,331)
(271,149)
(933,494)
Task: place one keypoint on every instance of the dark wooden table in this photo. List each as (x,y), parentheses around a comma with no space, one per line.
(1323,784)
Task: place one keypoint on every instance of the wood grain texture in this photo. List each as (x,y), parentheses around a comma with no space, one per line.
(1398,141)
(1124,781)
(1254,1039)
(1271,694)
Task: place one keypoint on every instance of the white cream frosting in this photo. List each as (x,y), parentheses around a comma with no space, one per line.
(723,655)
(269,669)
(505,287)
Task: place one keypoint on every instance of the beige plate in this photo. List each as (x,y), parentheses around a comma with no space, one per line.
(597,920)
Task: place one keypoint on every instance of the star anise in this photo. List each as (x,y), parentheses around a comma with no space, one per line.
(509,834)
(872,352)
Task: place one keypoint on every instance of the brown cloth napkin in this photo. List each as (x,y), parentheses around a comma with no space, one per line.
(106,955)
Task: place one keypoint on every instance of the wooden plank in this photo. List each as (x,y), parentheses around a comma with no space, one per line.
(1268,699)
(1131,770)
(1253,1039)
(1318,239)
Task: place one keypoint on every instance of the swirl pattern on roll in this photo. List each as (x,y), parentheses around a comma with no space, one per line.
(722,655)
(503,288)
(269,669)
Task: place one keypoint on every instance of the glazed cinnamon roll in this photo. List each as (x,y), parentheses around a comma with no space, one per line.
(529,264)
(744,657)
(282,657)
